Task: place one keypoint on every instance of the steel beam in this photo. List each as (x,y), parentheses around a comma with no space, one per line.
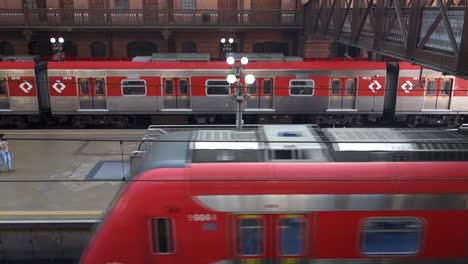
(389,13)
(448,27)
(414,26)
(462,64)
(399,14)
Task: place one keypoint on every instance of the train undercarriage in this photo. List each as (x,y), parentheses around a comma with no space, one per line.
(325,120)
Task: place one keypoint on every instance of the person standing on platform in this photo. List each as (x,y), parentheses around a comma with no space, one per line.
(5,154)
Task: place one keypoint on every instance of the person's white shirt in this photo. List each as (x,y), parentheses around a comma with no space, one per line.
(4,146)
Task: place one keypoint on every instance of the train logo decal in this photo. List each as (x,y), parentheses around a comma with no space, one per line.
(59,86)
(375,86)
(25,86)
(407,87)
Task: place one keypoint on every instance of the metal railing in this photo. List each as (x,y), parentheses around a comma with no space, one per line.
(93,18)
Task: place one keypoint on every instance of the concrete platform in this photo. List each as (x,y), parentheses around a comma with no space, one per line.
(60,179)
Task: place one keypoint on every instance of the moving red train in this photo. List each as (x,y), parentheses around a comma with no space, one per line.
(309,204)
(120,93)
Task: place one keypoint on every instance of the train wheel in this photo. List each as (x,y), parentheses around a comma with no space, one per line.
(79,122)
(454,122)
(19,122)
(412,121)
(120,122)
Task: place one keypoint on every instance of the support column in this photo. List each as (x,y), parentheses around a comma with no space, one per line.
(165,43)
(462,63)
(110,44)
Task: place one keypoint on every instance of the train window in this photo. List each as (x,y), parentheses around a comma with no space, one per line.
(217,87)
(267,86)
(99,87)
(335,89)
(446,87)
(350,87)
(84,87)
(301,87)
(3,88)
(183,87)
(168,87)
(253,88)
(291,230)
(391,236)
(431,87)
(163,235)
(134,87)
(283,154)
(250,236)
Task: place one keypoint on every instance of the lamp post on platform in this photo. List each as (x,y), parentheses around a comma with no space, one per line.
(57,48)
(227,46)
(237,72)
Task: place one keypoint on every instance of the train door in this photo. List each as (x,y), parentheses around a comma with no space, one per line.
(444,94)
(266,93)
(92,93)
(335,95)
(349,94)
(167,240)
(260,94)
(342,93)
(4,95)
(430,95)
(176,93)
(269,239)
(437,94)
(253,100)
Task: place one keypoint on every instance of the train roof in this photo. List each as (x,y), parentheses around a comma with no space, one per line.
(322,171)
(201,65)
(305,144)
(12,65)
(194,65)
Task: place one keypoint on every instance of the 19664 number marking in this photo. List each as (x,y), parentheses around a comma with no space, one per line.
(201,217)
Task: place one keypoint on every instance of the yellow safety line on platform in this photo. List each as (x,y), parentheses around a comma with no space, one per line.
(9,213)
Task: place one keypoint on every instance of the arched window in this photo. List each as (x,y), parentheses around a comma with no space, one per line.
(189,47)
(98,49)
(6,49)
(70,49)
(141,48)
(33,48)
(43,49)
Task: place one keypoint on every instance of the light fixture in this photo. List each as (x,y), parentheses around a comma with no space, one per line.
(230,60)
(231,40)
(52,40)
(249,79)
(61,40)
(231,78)
(223,40)
(244,60)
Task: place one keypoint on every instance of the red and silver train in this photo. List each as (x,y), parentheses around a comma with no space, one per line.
(292,200)
(119,93)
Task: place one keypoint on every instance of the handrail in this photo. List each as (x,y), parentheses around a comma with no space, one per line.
(43,17)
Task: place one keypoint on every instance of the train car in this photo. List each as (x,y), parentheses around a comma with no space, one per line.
(19,100)
(289,194)
(430,97)
(197,92)
(175,92)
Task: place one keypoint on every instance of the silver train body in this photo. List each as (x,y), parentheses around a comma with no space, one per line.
(325,93)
